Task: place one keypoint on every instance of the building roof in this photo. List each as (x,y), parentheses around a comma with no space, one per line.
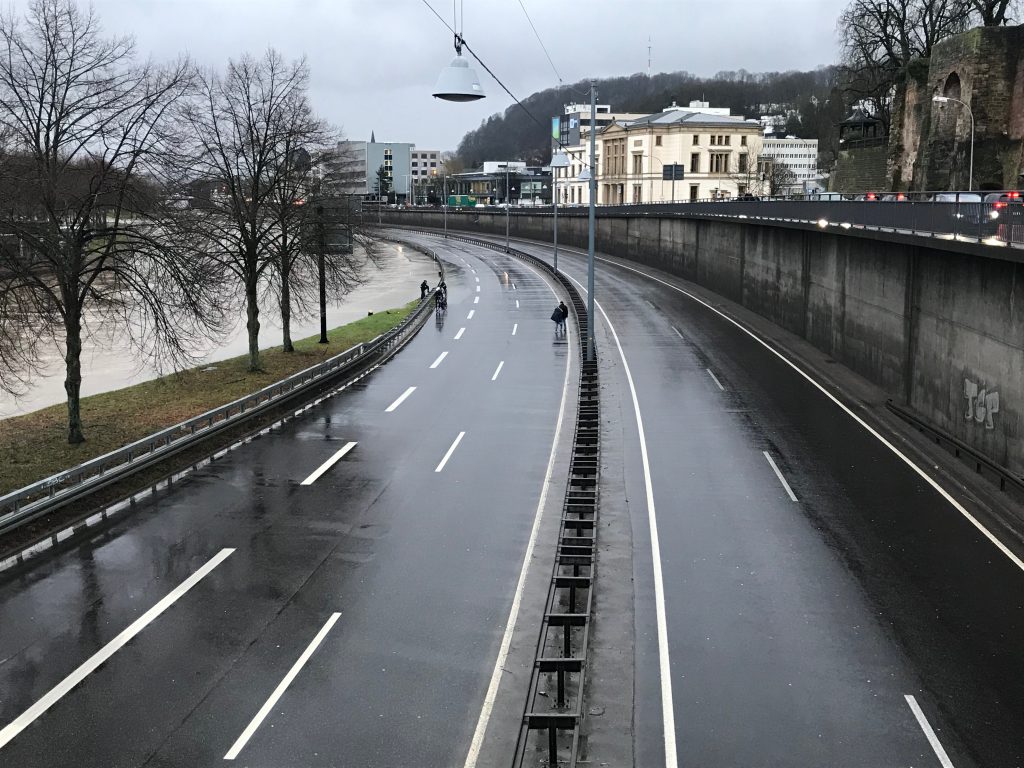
(683,117)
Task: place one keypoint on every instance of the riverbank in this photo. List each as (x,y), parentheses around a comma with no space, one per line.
(34,446)
(109,363)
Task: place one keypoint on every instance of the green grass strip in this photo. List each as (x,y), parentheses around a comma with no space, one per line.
(34,446)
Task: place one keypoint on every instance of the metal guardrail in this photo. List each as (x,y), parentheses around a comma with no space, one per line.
(1005,478)
(42,497)
(551,727)
(959,216)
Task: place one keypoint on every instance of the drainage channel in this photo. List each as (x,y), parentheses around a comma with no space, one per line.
(550,732)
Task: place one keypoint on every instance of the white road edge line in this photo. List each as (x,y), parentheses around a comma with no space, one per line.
(871,430)
(328,464)
(778,474)
(664,662)
(400,400)
(459,334)
(470,315)
(282,686)
(450,451)
(497,370)
(440,357)
(54,695)
(928,732)
(715,379)
(513,616)
(515,327)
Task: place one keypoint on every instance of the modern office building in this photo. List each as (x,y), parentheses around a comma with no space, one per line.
(352,167)
(799,155)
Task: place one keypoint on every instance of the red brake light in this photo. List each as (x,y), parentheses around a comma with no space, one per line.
(1013,195)
(870,196)
(901,196)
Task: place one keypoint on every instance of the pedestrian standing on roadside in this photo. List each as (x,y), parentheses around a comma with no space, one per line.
(565,314)
(424,290)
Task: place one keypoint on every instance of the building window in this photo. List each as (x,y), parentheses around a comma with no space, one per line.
(742,168)
(636,193)
(657,141)
(572,194)
(695,162)
(433,165)
(719,162)
(696,139)
(728,140)
(694,191)
(415,164)
(638,165)
(743,141)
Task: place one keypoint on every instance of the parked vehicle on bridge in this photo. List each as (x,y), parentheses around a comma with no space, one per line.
(1004,216)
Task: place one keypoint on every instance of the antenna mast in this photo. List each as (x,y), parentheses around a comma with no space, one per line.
(648,56)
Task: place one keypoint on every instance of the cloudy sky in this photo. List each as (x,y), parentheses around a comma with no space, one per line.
(374,62)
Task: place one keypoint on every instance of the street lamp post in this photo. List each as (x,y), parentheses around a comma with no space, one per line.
(591,324)
(444,204)
(965,105)
(559,160)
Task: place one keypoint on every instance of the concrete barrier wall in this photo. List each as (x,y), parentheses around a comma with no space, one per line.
(929,326)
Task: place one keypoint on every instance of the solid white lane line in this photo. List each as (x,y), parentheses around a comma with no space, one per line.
(715,379)
(54,695)
(515,327)
(517,303)
(459,334)
(664,662)
(269,703)
(470,315)
(328,464)
(513,616)
(450,451)
(778,474)
(400,400)
(440,357)
(476,299)
(928,732)
(497,370)
(842,406)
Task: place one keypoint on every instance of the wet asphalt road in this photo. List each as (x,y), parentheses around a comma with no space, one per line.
(796,629)
(420,564)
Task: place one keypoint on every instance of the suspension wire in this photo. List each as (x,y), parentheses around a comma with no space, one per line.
(542,46)
(461,42)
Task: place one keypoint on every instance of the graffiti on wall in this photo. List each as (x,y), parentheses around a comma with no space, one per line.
(982,403)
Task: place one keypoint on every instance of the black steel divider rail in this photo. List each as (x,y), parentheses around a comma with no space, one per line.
(551,725)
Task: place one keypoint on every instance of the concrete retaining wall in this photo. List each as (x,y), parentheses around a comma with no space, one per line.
(928,326)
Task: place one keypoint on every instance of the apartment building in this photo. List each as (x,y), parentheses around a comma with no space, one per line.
(351,167)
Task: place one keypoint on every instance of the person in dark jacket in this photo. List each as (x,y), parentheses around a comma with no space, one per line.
(565,313)
(424,290)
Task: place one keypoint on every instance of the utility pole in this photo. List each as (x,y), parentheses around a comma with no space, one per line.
(508,205)
(591,320)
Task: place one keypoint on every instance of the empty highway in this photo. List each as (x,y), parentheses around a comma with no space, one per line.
(337,591)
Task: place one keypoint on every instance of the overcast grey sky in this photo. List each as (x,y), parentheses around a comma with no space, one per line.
(374,62)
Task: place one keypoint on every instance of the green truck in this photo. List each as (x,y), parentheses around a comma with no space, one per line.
(461,201)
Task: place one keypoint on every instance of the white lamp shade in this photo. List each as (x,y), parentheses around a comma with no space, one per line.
(584,175)
(559,160)
(458,82)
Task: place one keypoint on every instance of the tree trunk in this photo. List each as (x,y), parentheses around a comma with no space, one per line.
(73,379)
(252,324)
(286,304)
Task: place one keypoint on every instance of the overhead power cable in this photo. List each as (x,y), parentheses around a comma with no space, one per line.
(542,46)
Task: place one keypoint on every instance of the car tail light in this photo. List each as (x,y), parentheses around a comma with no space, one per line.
(870,196)
(901,196)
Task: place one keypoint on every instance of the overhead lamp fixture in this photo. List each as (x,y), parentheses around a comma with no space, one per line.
(458,81)
(559,160)
(584,175)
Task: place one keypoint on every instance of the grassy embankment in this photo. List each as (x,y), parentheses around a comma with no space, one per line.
(34,446)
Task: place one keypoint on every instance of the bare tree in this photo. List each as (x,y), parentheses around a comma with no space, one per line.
(239,125)
(994,13)
(84,180)
(881,37)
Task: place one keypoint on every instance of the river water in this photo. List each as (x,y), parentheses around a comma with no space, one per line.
(109,363)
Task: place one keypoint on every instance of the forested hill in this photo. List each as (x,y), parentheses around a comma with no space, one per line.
(812,95)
